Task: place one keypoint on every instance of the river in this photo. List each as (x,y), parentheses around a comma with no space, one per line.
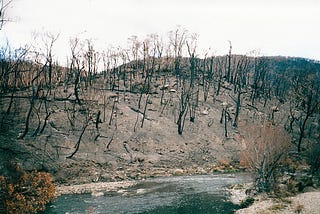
(179,194)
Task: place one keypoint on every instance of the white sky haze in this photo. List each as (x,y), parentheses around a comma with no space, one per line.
(289,28)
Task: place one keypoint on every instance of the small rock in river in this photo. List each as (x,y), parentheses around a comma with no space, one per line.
(141,191)
(97,194)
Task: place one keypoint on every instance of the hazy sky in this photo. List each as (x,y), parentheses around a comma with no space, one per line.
(275,27)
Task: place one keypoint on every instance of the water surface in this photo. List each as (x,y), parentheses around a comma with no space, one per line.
(181,194)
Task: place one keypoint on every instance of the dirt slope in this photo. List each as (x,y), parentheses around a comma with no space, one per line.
(120,148)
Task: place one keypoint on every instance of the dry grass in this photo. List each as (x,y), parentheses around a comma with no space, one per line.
(277,207)
(266,146)
(299,208)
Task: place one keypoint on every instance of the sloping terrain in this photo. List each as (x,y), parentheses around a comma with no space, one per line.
(156,148)
(83,132)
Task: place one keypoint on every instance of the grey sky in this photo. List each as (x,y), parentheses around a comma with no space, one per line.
(289,28)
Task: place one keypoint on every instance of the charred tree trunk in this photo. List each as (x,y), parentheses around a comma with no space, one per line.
(224,119)
(112,111)
(144,111)
(184,100)
(229,63)
(238,105)
(76,89)
(7,111)
(35,92)
(77,146)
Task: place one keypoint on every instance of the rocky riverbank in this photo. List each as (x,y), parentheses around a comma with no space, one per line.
(100,187)
(95,189)
(306,202)
(91,182)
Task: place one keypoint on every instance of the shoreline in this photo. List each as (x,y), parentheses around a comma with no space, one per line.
(304,202)
(91,188)
(110,186)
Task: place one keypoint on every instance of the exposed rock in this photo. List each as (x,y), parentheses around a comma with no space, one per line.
(95,189)
(205,112)
(178,172)
(238,192)
(97,194)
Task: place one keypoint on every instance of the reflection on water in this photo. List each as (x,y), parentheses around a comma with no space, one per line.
(185,194)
